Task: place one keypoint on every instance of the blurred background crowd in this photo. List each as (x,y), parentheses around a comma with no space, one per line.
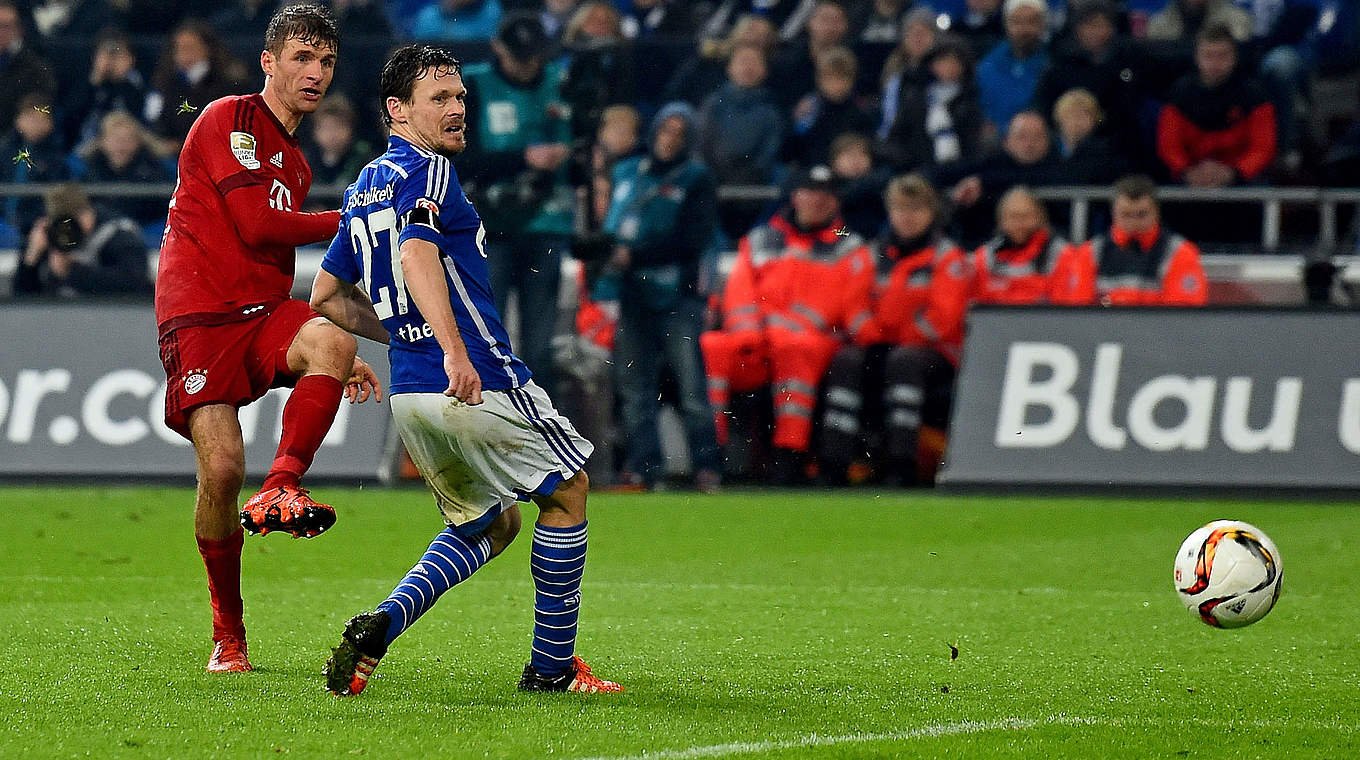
(645,141)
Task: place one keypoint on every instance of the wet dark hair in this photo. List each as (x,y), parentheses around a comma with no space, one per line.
(408,64)
(306,22)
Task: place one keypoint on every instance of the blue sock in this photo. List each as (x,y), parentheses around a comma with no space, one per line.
(449,561)
(557,562)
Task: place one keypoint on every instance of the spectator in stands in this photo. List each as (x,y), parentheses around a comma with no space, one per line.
(122,153)
(1084,156)
(740,127)
(899,373)
(244,19)
(781,324)
(728,12)
(518,150)
(828,111)
(1026,158)
(1137,263)
(555,15)
(980,26)
(114,84)
(877,21)
(74,251)
(619,137)
(457,20)
(861,183)
(1008,76)
(335,152)
(906,66)
(1100,61)
(939,122)
(70,19)
(601,70)
(22,70)
(1217,127)
(643,19)
(193,71)
(827,27)
(1182,20)
(32,152)
(663,216)
(878,25)
(702,74)
(1016,266)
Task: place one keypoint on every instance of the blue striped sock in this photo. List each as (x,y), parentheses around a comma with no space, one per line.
(449,561)
(557,561)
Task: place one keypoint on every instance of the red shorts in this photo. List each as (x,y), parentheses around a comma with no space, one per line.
(234,363)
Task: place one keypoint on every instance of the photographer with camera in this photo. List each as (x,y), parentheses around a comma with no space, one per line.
(73,251)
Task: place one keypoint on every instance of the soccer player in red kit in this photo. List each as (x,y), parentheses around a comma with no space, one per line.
(229,331)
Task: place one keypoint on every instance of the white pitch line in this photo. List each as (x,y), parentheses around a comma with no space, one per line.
(818,740)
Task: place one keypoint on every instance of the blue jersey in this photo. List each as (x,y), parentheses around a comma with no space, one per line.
(409,192)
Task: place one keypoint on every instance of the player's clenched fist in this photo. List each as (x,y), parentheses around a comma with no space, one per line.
(464,382)
(362,383)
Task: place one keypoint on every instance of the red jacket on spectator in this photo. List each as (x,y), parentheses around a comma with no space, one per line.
(1233,123)
(1154,268)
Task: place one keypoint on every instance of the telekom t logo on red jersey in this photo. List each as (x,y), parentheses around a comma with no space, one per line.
(280,197)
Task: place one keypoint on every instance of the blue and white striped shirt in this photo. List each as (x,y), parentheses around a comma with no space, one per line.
(409,192)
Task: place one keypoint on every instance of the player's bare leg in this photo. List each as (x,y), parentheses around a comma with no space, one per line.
(216,434)
(321,355)
(368,634)
(556,563)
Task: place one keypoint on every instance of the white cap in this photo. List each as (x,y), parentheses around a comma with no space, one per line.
(1039,5)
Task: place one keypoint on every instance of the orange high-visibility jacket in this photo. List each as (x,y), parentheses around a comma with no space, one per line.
(1120,269)
(785,278)
(919,297)
(1015,274)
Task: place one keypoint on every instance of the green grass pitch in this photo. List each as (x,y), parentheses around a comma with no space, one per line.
(750,625)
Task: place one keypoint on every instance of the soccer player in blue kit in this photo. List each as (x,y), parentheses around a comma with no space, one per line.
(409,269)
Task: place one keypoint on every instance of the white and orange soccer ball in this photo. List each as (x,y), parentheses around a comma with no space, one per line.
(1228,573)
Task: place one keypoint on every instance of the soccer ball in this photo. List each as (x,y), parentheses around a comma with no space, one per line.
(1228,573)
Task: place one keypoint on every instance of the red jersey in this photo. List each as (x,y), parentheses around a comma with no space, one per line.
(232,228)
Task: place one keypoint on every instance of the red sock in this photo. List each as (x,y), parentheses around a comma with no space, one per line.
(307,417)
(223,560)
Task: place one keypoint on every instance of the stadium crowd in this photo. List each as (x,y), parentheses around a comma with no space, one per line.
(903,135)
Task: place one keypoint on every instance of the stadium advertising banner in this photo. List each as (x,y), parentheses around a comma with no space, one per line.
(1158,397)
(82,392)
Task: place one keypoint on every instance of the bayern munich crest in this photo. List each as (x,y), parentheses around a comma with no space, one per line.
(195,380)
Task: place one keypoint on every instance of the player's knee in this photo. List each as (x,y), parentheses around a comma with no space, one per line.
(221,474)
(504,529)
(339,345)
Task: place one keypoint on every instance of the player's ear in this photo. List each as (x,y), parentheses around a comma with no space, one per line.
(267,62)
(396,109)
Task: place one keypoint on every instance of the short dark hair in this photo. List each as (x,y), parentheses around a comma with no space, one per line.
(407,64)
(307,22)
(1217,32)
(1135,186)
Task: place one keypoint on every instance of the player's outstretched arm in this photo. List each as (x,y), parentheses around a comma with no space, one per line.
(424,274)
(347,306)
(261,224)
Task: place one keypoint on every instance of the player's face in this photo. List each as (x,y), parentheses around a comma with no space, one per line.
(436,115)
(1134,215)
(300,75)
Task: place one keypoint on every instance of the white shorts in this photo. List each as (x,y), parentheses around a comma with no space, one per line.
(479,460)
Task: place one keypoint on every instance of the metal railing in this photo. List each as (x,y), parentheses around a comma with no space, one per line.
(1080,199)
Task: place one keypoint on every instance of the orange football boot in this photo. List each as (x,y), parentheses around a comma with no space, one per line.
(288,509)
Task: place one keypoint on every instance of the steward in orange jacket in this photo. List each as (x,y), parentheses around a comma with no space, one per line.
(1015,267)
(786,309)
(900,372)
(1136,264)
